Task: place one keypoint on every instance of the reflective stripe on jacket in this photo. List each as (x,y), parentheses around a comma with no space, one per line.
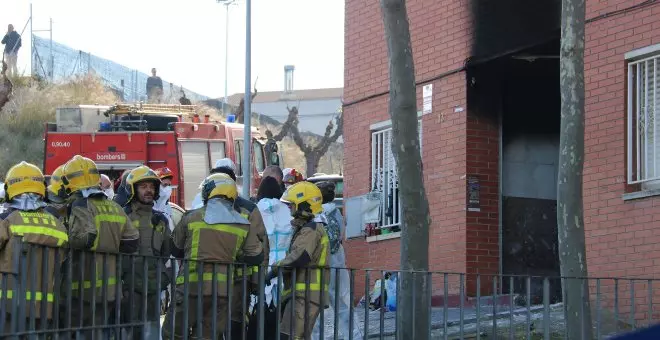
(100,225)
(37,228)
(211,243)
(308,253)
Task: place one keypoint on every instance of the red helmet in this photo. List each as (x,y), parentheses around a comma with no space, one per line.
(164,173)
(292,176)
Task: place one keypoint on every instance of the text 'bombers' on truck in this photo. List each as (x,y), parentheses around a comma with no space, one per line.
(125,136)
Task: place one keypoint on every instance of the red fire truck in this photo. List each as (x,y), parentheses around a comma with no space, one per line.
(125,136)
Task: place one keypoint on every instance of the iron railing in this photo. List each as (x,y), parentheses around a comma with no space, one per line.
(461,305)
(643,142)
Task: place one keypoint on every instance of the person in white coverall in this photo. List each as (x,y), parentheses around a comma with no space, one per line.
(162,204)
(277,219)
(334,223)
(220,163)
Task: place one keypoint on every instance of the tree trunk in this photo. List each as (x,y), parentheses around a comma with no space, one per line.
(572,250)
(311,163)
(413,321)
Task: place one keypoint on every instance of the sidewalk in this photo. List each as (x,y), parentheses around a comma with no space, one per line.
(517,322)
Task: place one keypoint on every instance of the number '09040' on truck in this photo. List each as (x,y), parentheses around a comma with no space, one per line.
(125,136)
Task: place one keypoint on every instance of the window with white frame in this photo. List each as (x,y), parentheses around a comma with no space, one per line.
(643,128)
(384,176)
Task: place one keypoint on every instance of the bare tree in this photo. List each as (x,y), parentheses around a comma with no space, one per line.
(313,153)
(241,106)
(413,320)
(570,214)
(291,119)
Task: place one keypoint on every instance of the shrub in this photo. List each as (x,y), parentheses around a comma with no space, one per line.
(32,105)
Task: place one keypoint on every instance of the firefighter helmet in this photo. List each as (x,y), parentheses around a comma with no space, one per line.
(292,176)
(306,199)
(164,173)
(55,190)
(80,173)
(219,184)
(24,178)
(138,175)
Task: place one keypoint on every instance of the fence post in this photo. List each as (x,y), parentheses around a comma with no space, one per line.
(20,276)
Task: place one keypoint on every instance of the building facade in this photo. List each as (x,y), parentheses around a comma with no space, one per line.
(489,130)
(316,107)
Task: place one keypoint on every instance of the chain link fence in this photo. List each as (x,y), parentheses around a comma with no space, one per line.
(66,62)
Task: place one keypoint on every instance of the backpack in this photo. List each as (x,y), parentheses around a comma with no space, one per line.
(334,231)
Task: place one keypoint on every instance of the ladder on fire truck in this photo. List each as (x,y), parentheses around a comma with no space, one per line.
(131,117)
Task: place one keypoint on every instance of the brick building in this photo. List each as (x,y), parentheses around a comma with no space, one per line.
(492,133)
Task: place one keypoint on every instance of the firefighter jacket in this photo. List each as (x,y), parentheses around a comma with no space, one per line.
(97,224)
(40,228)
(251,212)
(155,245)
(196,240)
(58,212)
(307,253)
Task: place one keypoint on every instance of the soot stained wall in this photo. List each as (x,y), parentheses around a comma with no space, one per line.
(503,25)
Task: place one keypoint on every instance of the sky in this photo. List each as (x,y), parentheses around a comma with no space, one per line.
(185,39)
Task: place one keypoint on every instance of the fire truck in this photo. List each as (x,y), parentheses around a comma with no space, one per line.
(124,136)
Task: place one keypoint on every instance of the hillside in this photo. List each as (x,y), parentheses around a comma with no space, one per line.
(22,121)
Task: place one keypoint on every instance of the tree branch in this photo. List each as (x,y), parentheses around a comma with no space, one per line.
(328,139)
(241,106)
(286,127)
(295,133)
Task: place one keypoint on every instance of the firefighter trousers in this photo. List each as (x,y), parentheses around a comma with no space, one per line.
(132,311)
(4,333)
(89,316)
(303,316)
(207,319)
(240,316)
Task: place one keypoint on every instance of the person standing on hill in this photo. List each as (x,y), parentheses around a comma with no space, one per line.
(154,88)
(12,42)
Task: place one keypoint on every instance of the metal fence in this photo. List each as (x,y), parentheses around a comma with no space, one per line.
(67,63)
(45,293)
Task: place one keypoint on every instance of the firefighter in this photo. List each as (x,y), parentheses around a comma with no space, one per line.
(143,186)
(56,196)
(121,194)
(25,188)
(214,233)
(248,209)
(96,224)
(165,192)
(309,248)
(291,177)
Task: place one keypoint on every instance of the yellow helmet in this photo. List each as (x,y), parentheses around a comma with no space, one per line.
(219,184)
(80,173)
(306,199)
(24,178)
(141,174)
(55,190)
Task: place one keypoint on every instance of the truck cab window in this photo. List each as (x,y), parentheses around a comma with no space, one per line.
(238,151)
(258,151)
